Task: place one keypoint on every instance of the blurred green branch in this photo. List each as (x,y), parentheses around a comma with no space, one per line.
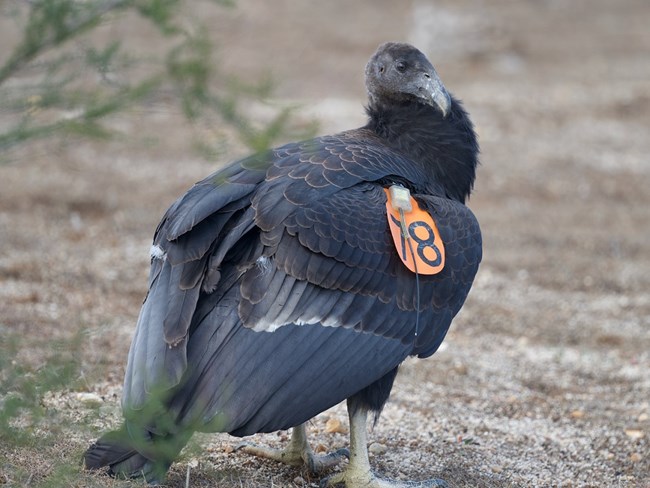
(22,387)
(51,23)
(55,82)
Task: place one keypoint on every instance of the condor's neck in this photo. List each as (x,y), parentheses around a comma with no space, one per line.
(446,147)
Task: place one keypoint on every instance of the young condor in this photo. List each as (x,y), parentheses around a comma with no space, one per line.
(294,279)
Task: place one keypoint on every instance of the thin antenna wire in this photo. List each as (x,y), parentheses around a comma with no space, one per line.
(407,237)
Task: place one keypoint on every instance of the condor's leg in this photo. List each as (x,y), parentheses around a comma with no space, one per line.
(358,473)
(297,453)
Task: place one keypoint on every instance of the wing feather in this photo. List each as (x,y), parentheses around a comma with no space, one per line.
(180,307)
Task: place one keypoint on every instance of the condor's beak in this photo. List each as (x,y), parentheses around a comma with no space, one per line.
(431,89)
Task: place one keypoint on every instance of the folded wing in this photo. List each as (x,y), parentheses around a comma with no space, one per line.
(276,291)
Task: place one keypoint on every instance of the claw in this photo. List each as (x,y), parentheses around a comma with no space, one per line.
(318,463)
(297,453)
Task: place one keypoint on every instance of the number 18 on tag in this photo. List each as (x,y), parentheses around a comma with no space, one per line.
(415,234)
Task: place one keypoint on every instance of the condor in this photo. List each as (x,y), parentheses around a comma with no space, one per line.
(278,287)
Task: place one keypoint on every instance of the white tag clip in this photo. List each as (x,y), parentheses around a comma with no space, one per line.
(400,198)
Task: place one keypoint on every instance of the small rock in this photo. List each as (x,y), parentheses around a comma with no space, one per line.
(635,457)
(377,449)
(643,417)
(299,480)
(634,433)
(461,369)
(577,414)
(228,449)
(334,425)
(496,469)
(89,399)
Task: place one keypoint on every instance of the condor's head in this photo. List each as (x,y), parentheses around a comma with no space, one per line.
(399,72)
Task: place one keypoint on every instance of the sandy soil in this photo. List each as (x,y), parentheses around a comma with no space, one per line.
(544,378)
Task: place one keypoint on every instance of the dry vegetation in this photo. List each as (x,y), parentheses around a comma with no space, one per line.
(544,379)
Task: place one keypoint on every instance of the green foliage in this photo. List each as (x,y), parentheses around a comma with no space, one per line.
(59,80)
(24,419)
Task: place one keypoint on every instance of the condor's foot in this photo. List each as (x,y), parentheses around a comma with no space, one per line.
(356,479)
(297,453)
(358,473)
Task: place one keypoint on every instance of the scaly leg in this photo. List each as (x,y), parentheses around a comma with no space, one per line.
(358,473)
(297,453)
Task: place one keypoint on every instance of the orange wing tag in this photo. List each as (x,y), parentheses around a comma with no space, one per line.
(416,236)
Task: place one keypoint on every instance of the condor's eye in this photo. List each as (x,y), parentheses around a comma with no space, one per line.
(400,66)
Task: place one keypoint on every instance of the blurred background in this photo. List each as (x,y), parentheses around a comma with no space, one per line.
(109,111)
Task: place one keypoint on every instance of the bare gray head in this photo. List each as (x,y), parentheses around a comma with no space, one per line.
(399,72)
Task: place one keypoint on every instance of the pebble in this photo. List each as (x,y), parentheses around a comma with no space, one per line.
(461,369)
(577,414)
(89,399)
(377,448)
(299,480)
(334,425)
(634,433)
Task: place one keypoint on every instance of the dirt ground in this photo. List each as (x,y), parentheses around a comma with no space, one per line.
(544,378)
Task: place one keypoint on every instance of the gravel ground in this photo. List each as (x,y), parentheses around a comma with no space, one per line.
(544,378)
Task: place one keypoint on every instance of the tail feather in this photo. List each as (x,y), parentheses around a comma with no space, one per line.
(115,451)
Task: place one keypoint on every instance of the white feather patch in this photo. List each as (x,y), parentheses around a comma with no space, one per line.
(156,252)
(264,264)
(263,326)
